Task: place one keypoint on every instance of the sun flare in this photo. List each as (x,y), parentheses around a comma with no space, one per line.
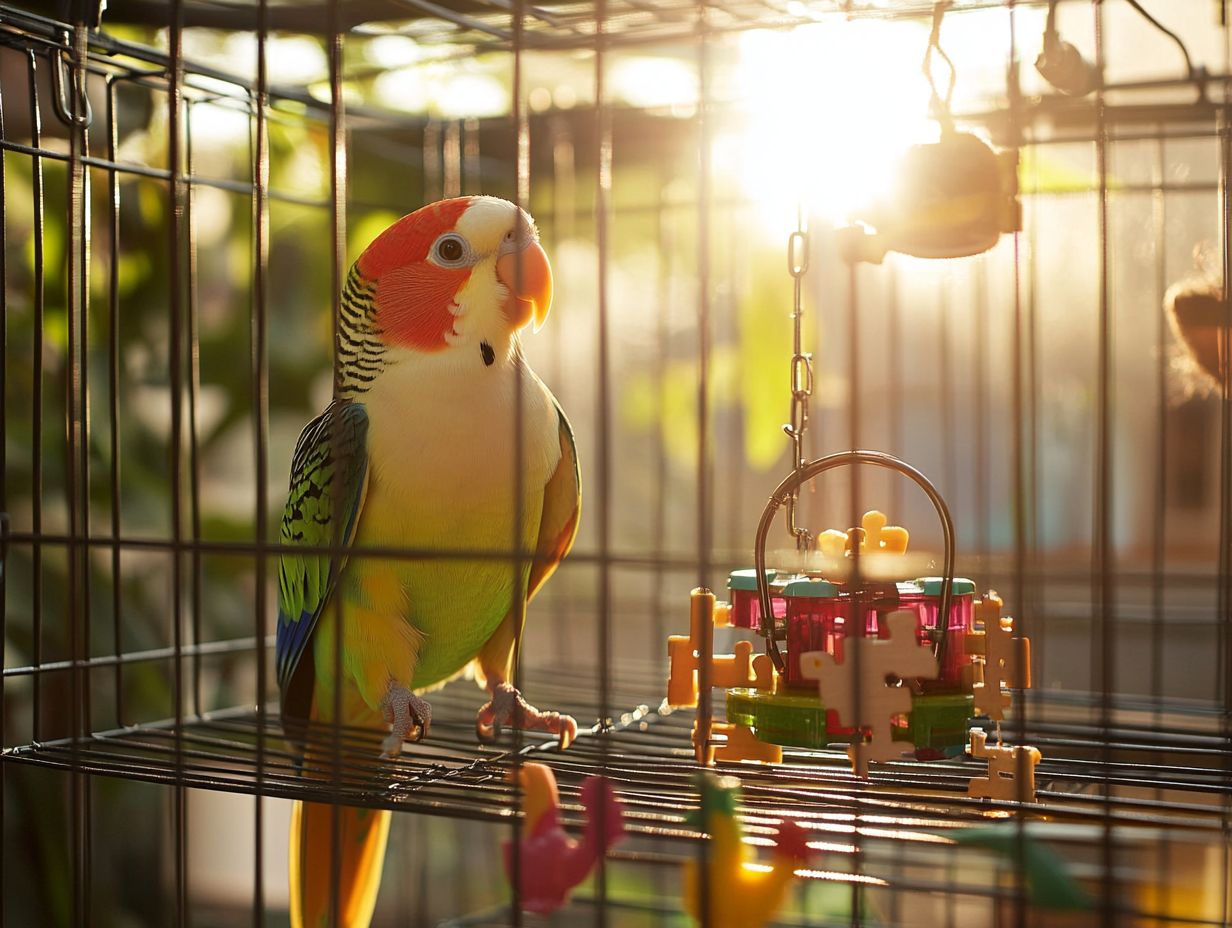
(826,112)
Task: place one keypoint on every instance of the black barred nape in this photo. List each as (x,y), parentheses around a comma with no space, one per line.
(360,350)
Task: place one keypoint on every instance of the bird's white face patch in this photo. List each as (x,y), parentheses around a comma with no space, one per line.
(478,305)
(485,223)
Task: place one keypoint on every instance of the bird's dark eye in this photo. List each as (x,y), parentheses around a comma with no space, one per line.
(449,249)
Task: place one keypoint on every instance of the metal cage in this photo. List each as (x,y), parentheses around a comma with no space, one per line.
(165,308)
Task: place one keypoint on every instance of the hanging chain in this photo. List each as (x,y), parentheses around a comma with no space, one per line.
(801,372)
(940,104)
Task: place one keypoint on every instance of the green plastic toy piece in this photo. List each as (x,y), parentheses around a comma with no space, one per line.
(932,586)
(811,589)
(799,720)
(747,579)
(789,719)
(939,722)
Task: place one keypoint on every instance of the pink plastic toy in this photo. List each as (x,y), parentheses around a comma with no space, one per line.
(551,862)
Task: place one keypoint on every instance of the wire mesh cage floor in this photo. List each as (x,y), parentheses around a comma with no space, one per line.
(1153,777)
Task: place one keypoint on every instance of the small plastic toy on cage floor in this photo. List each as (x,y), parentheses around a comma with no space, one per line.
(739,893)
(552,863)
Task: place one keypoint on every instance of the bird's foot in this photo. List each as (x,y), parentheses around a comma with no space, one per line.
(409,718)
(507,707)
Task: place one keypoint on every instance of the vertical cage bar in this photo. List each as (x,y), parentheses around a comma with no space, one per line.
(979,375)
(1018,493)
(945,364)
(193,372)
(705,708)
(564,209)
(472,176)
(857,628)
(1224,618)
(662,354)
(176,379)
(1159,511)
(521,194)
(705,475)
(113,399)
(1033,600)
(36,449)
(260,380)
(894,378)
(4,494)
(338,236)
(1103,626)
(452,158)
(603,399)
(433,183)
(77,456)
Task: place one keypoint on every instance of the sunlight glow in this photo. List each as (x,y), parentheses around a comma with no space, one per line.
(292,60)
(443,91)
(828,110)
(655,82)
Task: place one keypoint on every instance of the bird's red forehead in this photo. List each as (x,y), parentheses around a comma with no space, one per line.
(407,241)
(414,297)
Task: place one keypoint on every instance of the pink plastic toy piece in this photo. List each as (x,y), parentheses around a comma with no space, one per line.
(551,862)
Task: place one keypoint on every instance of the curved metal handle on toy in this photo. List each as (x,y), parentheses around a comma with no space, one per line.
(782,494)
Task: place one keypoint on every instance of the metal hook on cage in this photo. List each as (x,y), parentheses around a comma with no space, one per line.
(80,117)
(939,104)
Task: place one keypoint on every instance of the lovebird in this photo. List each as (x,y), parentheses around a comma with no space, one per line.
(419,450)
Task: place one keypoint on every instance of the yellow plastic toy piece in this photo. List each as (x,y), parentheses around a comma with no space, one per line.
(880,537)
(877,537)
(832,542)
(899,656)
(1011,770)
(743,893)
(1006,659)
(726,670)
(767,676)
(742,744)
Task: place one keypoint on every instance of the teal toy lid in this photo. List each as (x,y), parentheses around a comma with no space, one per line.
(811,589)
(747,579)
(932,586)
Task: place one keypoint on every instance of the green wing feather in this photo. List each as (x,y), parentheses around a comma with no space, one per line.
(562,500)
(331,459)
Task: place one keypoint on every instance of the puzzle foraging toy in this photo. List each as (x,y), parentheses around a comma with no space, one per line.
(889,667)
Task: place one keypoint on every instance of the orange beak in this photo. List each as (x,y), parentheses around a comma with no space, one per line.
(528,275)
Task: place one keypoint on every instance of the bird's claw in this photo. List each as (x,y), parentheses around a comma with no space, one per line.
(508,707)
(409,717)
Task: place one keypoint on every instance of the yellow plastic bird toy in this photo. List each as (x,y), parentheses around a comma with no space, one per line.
(742,893)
